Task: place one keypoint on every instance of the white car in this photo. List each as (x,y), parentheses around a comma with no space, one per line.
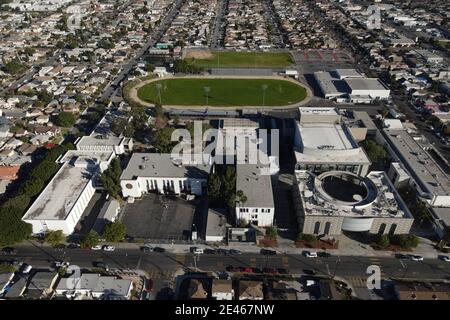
(196,250)
(310,254)
(108,248)
(97,247)
(26,268)
(416,258)
(445,258)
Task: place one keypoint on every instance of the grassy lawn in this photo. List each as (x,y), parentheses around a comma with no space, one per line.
(223,92)
(230,59)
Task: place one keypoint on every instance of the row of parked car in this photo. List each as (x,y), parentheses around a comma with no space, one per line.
(272,271)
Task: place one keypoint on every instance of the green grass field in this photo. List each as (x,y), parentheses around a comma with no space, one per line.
(222,92)
(230,59)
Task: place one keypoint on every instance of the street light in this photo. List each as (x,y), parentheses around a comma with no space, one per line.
(207,90)
(159,87)
(264,88)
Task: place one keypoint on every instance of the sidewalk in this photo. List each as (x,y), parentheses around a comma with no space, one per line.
(348,247)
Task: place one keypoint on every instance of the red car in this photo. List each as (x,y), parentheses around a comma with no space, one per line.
(247,270)
(149,286)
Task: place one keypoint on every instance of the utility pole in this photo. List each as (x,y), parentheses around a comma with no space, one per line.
(264,88)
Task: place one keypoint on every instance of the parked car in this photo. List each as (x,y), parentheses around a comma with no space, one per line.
(101,265)
(270,270)
(197,250)
(257,270)
(210,251)
(9,250)
(401,256)
(108,248)
(416,257)
(268,252)
(146,249)
(282,271)
(311,272)
(60,247)
(235,251)
(246,269)
(60,264)
(159,249)
(310,254)
(230,268)
(445,258)
(149,285)
(26,268)
(73,246)
(222,251)
(324,254)
(97,247)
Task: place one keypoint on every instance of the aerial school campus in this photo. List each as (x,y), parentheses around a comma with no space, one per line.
(316,166)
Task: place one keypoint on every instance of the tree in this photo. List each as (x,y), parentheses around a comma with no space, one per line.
(54,237)
(162,140)
(241,197)
(308,238)
(271,232)
(111,178)
(65,119)
(242,223)
(114,232)
(383,240)
(376,152)
(90,240)
(406,241)
(214,187)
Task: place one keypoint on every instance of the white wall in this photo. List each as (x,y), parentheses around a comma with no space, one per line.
(264,219)
(176,185)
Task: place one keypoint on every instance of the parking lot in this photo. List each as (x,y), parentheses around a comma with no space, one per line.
(310,61)
(159,217)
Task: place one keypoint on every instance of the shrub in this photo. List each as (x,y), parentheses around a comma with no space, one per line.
(115,232)
(54,237)
(271,232)
(308,238)
(406,241)
(382,240)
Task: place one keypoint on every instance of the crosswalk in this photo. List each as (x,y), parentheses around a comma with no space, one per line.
(180,258)
(358,282)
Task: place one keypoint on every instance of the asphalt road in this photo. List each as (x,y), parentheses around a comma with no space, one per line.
(167,263)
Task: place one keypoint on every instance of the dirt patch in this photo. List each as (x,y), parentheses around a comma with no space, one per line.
(318,244)
(199,54)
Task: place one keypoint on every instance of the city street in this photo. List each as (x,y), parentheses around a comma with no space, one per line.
(165,264)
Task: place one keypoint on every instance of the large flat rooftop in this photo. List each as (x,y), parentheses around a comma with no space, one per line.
(256,187)
(419,163)
(162,166)
(328,143)
(326,136)
(365,84)
(60,195)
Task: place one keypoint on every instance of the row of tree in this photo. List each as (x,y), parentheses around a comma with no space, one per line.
(12,228)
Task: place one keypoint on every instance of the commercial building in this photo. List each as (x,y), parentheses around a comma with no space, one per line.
(259,207)
(337,201)
(147,172)
(323,142)
(429,179)
(63,201)
(216,226)
(348,85)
